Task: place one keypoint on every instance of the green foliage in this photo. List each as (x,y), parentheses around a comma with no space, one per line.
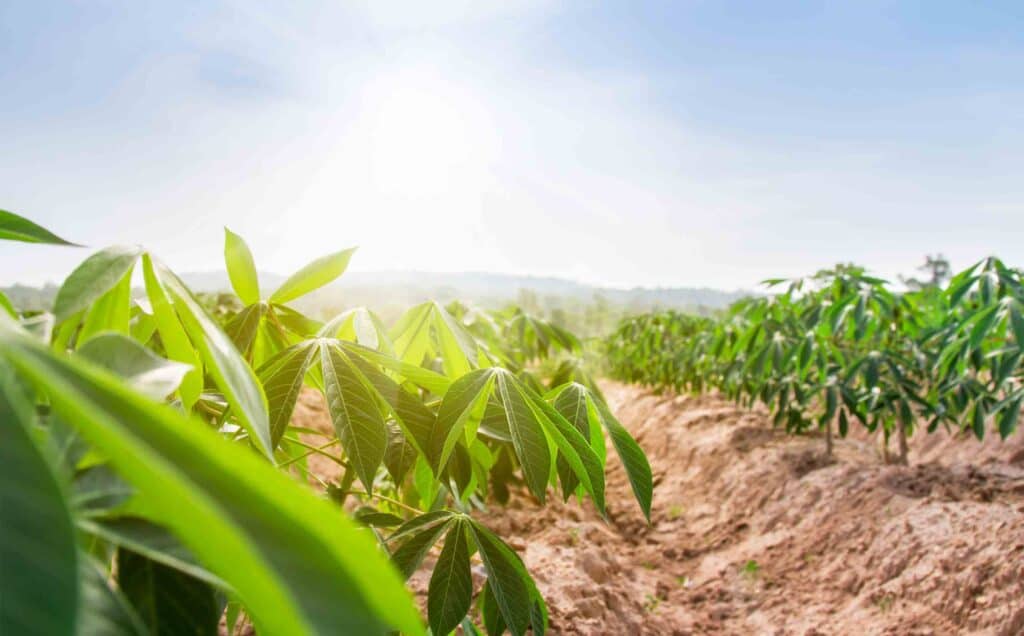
(158,428)
(841,346)
(38,580)
(241,268)
(18,228)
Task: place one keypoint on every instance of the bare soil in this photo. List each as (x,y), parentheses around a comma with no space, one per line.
(755,532)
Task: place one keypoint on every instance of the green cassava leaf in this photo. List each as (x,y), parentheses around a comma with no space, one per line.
(451,585)
(418,536)
(167,600)
(241,268)
(176,342)
(104,609)
(372,517)
(147,372)
(412,416)
(463,406)
(1017,324)
(150,540)
(97,488)
(507,578)
(425,378)
(93,278)
(1008,417)
(494,623)
(38,557)
(411,334)
(18,228)
(359,325)
(355,413)
(282,378)
(313,276)
(245,325)
(230,371)
(110,312)
(295,561)
(429,329)
(400,455)
(572,446)
(633,459)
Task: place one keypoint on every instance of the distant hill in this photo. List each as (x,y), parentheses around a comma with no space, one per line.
(402,289)
(27,298)
(484,288)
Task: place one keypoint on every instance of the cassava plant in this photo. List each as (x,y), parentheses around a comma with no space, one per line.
(153,480)
(841,346)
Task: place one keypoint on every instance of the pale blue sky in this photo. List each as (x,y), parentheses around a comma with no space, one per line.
(673,143)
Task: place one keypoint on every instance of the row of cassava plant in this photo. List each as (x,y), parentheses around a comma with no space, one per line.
(152,480)
(842,346)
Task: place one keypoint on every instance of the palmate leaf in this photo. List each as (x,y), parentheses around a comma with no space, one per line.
(573,447)
(412,416)
(295,561)
(96,489)
(377,519)
(245,325)
(38,557)
(17,228)
(451,585)
(313,276)
(577,402)
(638,469)
(230,371)
(354,412)
(508,579)
(150,540)
(167,600)
(418,535)
(1009,416)
(104,609)
(293,322)
(429,329)
(93,278)
(1017,324)
(571,404)
(400,455)
(494,623)
(176,343)
(282,377)
(463,406)
(241,268)
(424,378)
(359,325)
(512,594)
(111,312)
(143,369)
(508,407)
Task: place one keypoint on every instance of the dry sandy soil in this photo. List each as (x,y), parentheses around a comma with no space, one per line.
(753,532)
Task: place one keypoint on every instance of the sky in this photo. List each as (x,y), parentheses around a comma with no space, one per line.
(647,144)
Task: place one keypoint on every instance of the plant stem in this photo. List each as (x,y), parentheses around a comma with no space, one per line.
(313,450)
(391,501)
(828,439)
(903,444)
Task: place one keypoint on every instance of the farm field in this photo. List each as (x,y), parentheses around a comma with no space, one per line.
(526,318)
(754,531)
(226,464)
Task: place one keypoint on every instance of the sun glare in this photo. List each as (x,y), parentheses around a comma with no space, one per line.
(428,136)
